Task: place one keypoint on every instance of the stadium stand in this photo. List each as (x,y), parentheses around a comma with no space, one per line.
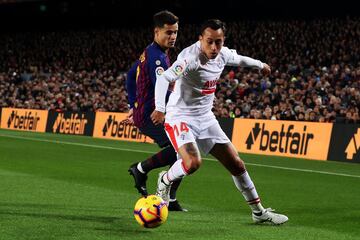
(316,69)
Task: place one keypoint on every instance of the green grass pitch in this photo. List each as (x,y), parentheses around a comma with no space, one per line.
(72,187)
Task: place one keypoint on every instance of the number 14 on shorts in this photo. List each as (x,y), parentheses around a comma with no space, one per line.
(177,133)
(180,128)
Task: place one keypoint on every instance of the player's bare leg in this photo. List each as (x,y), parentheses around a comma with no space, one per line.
(191,158)
(190,161)
(228,156)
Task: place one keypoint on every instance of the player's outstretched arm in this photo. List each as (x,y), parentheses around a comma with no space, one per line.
(266,70)
(253,63)
(234,59)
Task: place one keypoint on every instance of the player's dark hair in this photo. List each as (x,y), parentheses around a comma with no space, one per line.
(214,24)
(164,17)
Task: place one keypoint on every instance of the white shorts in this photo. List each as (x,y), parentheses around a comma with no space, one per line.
(204,132)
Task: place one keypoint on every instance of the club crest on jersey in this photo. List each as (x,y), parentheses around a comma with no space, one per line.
(142,57)
(159,71)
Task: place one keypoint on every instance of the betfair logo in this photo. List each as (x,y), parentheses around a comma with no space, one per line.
(353,146)
(26,121)
(120,129)
(287,140)
(73,125)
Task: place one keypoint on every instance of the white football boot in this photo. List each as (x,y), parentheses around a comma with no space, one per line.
(162,189)
(268,215)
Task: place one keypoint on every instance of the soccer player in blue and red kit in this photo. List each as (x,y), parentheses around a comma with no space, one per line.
(140,85)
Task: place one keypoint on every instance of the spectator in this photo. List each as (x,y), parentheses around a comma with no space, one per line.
(316,68)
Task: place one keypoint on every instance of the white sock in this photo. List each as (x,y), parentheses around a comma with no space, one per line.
(246,186)
(139,167)
(176,172)
(257,207)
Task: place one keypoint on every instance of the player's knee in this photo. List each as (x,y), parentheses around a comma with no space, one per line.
(239,166)
(191,164)
(195,165)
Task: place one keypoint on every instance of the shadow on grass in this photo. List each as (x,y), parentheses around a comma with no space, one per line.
(19,206)
(43,211)
(89,218)
(95,224)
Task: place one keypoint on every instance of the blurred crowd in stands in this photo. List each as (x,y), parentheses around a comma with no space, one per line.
(315,63)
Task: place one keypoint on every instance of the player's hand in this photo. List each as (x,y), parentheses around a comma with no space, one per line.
(157,117)
(129,118)
(266,70)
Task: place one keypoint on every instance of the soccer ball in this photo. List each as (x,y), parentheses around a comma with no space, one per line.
(150,211)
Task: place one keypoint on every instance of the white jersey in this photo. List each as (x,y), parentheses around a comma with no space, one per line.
(196,78)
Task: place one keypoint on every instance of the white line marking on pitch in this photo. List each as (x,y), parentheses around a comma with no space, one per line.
(151,152)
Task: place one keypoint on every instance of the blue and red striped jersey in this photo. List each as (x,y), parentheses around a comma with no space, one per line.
(141,80)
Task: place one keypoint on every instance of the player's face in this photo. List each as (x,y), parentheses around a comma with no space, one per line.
(166,36)
(211,42)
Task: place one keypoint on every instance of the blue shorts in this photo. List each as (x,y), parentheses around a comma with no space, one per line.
(157,133)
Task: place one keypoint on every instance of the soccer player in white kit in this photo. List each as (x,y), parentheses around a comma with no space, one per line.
(191,125)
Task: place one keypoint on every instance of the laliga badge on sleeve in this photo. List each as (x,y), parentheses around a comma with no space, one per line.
(159,71)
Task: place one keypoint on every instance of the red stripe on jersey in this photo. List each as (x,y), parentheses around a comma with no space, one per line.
(171,134)
(208,91)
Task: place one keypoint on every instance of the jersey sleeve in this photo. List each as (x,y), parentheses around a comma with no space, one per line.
(179,67)
(131,83)
(234,59)
(157,65)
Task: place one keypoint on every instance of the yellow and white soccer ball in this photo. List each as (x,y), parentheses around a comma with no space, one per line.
(151,211)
